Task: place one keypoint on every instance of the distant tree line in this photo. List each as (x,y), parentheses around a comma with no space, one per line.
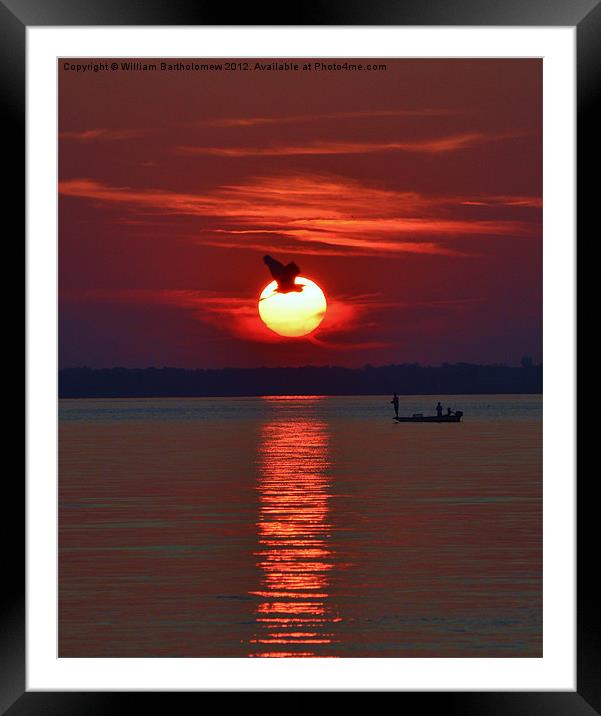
(405,379)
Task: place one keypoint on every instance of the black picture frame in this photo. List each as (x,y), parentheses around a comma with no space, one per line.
(16,16)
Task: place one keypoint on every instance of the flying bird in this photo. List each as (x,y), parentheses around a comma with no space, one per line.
(284,275)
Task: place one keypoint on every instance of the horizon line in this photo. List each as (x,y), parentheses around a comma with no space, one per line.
(365,366)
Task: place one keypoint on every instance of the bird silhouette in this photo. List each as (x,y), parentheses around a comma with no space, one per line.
(284,275)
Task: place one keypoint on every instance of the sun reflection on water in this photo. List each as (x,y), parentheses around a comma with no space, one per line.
(294,616)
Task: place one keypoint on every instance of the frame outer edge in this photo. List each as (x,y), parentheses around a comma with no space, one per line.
(12,74)
(309,12)
(12,102)
(588,48)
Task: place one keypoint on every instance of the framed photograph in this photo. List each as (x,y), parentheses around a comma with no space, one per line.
(295,292)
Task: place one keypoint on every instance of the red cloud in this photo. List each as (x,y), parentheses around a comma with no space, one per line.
(317,214)
(429,146)
(335,116)
(237,315)
(93,135)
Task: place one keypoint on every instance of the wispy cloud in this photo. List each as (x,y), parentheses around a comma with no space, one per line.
(234,314)
(103,135)
(319,214)
(435,145)
(237,315)
(534,202)
(324,116)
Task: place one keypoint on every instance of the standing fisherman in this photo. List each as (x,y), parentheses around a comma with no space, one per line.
(395,403)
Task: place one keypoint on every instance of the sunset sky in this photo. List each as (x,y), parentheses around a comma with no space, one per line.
(412,196)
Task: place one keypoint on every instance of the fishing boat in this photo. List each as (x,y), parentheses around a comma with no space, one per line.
(421,418)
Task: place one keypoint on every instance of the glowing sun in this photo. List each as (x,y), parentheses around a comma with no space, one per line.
(294,313)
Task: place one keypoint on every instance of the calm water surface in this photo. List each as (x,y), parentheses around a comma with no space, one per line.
(310,526)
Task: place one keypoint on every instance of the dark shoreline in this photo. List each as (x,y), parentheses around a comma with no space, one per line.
(413,379)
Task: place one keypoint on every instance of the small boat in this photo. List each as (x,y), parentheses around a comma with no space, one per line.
(420,418)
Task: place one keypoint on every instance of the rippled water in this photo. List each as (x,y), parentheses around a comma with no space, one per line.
(310,526)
